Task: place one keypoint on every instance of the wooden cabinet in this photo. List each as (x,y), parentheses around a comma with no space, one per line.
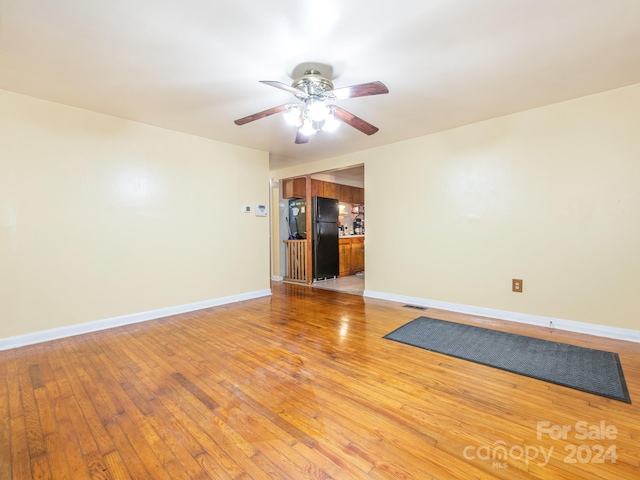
(345,193)
(357,254)
(331,190)
(357,195)
(352,195)
(294,187)
(320,188)
(297,188)
(317,188)
(345,257)
(351,255)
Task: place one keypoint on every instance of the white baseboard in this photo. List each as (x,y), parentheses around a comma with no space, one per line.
(277,278)
(561,324)
(78,329)
(558,323)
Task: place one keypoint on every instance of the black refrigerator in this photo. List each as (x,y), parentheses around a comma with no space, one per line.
(325,237)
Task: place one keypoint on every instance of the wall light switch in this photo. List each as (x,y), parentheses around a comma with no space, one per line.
(246,208)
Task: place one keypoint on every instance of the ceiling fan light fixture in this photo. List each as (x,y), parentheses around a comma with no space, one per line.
(317,109)
(292,116)
(312,113)
(330,123)
(307,128)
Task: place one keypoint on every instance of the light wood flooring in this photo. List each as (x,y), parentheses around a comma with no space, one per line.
(301,385)
(353,284)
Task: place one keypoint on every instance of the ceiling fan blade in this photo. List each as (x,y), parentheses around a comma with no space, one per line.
(356,122)
(300,138)
(362,90)
(259,115)
(284,86)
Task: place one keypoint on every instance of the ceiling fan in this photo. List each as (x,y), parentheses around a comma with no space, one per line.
(312,112)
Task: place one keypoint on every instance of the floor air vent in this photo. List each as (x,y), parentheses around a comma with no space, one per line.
(415,307)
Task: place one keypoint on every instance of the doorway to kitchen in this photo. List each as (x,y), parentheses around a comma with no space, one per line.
(346,187)
(351,278)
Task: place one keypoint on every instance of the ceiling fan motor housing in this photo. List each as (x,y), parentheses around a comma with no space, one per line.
(312,83)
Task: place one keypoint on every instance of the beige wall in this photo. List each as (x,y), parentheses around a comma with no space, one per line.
(550,195)
(102,217)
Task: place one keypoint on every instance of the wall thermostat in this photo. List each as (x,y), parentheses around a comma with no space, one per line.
(261,210)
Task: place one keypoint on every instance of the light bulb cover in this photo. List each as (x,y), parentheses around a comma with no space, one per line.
(317,110)
(307,128)
(292,116)
(330,123)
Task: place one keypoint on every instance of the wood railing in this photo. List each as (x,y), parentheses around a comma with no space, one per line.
(296,260)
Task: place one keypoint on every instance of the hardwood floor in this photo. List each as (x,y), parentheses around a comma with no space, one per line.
(300,385)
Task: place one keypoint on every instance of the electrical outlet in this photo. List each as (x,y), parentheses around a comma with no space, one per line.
(516,285)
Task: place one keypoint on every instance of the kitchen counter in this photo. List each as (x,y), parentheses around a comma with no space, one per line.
(351,236)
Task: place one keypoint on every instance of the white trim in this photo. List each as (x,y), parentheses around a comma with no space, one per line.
(78,329)
(277,278)
(558,323)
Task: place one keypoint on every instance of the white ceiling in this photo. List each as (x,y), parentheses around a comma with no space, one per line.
(194,65)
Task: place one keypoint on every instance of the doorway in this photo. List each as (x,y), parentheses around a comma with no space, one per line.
(347,185)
